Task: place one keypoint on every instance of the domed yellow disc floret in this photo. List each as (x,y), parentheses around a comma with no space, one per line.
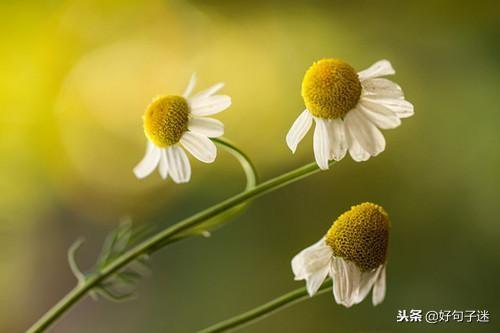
(330,88)
(360,235)
(166,119)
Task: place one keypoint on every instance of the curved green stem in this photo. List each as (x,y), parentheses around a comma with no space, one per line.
(265,310)
(246,163)
(216,221)
(251,181)
(150,245)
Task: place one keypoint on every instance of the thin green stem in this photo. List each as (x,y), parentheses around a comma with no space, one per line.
(62,306)
(251,181)
(265,310)
(150,245)
(246,163)
(251,178)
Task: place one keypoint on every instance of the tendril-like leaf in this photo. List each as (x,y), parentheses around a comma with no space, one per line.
(72,260)
(115,242)
(121,285)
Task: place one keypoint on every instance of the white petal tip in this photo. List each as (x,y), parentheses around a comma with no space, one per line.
(292,148)
(299,129)
(323,167)
(139,174)
(347,305)
(181,181)
(360,159)
(209,161)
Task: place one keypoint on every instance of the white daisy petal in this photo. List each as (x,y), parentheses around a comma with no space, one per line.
(314,281)
(163,166)
(338,143)
(209,105)
(202,102)
(373,104)
(338,273)
(354,276)
(380,68)
(190,86)
(382,117)
(367,134)
(382,87)
(355,150)
(311,260)
(208,92)
(149,162)
(358,153)
(321,143)
(207,126)
(346,281)
(378,293)
(178,164)
(366,283)
(401,107)
(200,146)
(298,130)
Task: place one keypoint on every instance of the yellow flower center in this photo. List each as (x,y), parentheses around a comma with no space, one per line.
(330,88)
(361,235)
(166,119)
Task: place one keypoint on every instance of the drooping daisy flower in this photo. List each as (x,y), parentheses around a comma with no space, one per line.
(353,253)
(348,108)
(174,122)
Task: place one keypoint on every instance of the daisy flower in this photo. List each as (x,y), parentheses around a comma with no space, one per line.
(353,253)
(349,110)
(173,123)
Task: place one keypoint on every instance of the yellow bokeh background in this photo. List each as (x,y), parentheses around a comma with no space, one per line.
(76,77)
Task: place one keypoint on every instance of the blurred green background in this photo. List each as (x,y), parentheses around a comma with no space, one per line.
(76,77)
